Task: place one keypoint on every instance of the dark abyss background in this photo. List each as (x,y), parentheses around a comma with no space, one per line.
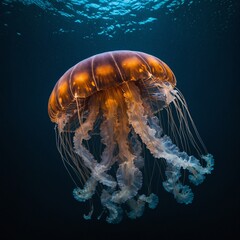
(202,47)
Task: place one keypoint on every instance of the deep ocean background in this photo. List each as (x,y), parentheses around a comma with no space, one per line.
(202,49)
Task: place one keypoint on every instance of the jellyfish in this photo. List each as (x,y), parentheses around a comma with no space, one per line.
(108,112)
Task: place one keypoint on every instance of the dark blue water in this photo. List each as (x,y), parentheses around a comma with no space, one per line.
(39,42)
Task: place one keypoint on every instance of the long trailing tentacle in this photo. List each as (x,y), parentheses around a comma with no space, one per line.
(98,170)
(128,175)
(81,134)
(107,129)
(71,160)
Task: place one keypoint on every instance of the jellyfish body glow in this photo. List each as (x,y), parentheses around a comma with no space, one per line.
(106,109)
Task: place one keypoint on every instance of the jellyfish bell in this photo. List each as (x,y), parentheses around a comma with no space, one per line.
(105,109)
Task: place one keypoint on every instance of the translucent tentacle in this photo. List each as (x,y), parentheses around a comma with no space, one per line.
(182,193)
(137,206)
(152,200)
(181,159)
(87,192)
(99,173)
(129,180)
(138,119)
(98,169)
(82,134)
(115,212)
(129,177)
(107,132)
(107,129)
(137,149)
(62,121)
